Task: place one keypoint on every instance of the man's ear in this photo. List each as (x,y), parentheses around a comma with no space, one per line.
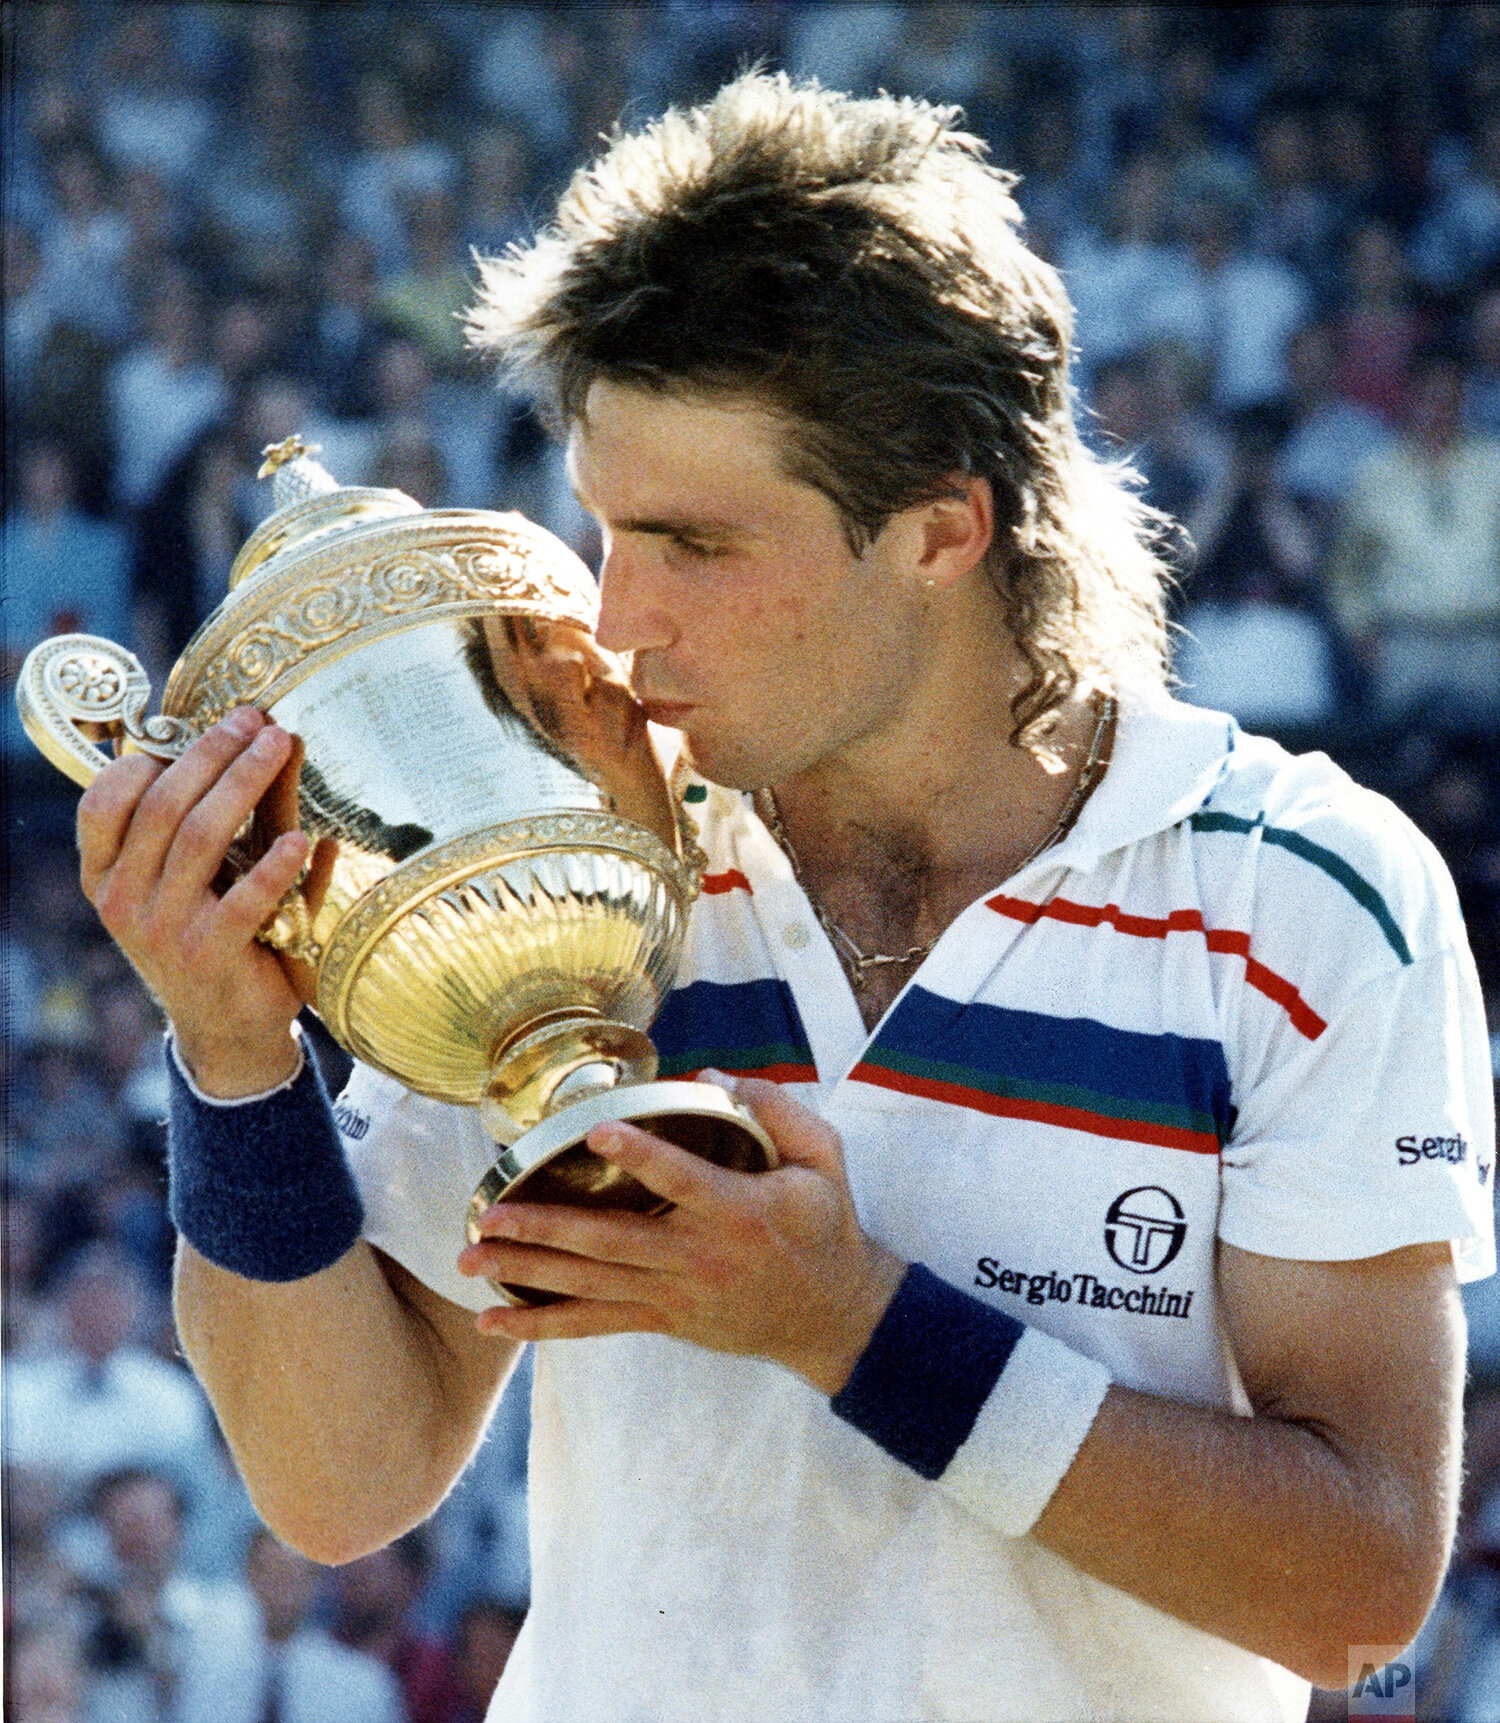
(954,532)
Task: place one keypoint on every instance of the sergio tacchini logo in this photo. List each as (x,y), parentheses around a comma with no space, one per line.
(1144,1229)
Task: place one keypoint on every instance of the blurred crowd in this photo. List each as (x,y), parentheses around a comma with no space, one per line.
(1281,230)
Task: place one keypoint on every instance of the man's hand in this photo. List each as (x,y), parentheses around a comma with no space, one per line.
(772,1264)
(151,841)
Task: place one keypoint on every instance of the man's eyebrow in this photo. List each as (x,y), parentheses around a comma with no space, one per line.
(677,526)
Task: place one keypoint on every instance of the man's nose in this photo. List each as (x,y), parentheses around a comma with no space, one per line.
(631,616)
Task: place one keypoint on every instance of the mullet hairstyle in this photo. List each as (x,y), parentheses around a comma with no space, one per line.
(855,267)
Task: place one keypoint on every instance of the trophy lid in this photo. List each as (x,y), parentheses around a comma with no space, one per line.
(309,503)
(335,561)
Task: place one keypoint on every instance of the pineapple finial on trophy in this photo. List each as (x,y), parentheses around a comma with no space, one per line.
(293,472)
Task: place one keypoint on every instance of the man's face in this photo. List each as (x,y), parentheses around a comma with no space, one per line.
(754,628)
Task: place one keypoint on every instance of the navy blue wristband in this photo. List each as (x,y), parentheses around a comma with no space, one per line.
(262,1188)
(929,1367)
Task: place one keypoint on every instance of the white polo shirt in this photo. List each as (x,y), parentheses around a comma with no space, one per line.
(1236,1002)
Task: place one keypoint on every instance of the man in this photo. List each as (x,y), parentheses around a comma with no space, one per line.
(165,1646)
(308,1677)
(1159,1053)
(1415,576)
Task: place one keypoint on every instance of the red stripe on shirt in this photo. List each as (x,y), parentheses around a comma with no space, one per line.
(1275,987)
(1040,1112)
(732,880)
(771,1073)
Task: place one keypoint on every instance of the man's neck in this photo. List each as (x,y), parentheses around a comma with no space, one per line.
(894,837)
(941,785)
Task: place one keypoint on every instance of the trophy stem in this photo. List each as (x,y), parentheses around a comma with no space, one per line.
(556,1062)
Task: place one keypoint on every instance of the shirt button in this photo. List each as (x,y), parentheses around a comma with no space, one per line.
(795,935)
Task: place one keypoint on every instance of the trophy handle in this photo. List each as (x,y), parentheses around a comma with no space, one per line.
(77,690)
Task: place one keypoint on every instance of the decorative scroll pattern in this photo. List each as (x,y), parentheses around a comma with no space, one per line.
(77,688)
(495,565)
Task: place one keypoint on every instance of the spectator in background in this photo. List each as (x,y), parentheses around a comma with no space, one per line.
(159,226)
(1148,412)
(1234,310)
(1379,329)
(1330,436)
(164,392)
(149,114)
(1359,191)
(65,571)
(103,1400)
(464,422)
(500,171)
(1248,530)
(307,1676)
(1481,410)
(521,76)
(1115,280)
(374,1606)
(1458,243)
(271,183)
(164,1647)
(28,315)
(1415,578)
(408,460)
(428,301)
(188,535)
(393,164)
(1255,645)
(1053,192)
(338,359)
(1293,217)
(84,245)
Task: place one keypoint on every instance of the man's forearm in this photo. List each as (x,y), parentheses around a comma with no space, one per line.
(1324,1521)
(1256,1530)
(351,1399)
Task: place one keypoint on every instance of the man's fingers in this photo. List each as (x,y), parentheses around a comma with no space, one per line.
(635,1241)
(252,899)
(671,1172)
(800,1136)
(554,1271)
(152,826)
(105,811)
(576,1319)
(208,824)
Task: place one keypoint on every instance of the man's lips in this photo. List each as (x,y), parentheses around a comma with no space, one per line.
(668,712)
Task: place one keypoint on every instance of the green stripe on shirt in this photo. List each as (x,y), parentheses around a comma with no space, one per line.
(1358,887)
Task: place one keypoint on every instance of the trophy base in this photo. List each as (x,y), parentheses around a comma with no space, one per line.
(552,1164)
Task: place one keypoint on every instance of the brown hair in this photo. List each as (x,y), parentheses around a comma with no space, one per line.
(857,267)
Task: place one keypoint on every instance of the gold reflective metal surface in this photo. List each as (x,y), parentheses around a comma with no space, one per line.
(499,895)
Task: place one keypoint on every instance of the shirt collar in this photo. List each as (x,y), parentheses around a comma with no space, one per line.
(1167,759)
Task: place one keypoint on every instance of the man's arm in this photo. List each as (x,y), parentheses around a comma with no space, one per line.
(1322,1522)
(351,1399)
(1325,1520)
(351,1396)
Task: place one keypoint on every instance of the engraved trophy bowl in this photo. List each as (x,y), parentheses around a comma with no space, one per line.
(498,896)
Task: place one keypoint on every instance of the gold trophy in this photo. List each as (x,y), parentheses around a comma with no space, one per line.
(498,895)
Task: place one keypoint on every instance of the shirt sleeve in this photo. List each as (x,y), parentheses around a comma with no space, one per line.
(417,1162)
(1378,1134)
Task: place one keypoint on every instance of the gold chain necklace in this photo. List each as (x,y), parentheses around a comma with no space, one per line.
(859,963)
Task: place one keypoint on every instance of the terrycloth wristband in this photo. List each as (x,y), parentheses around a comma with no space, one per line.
(989,1409)
(261,1186)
